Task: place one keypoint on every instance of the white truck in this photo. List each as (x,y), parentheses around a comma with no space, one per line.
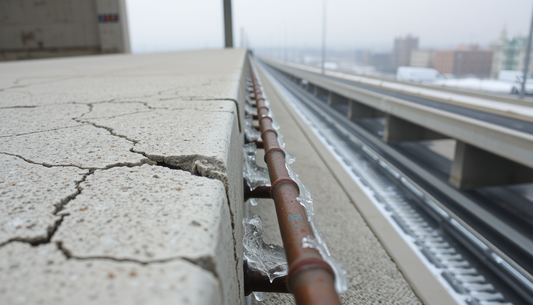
(416,74)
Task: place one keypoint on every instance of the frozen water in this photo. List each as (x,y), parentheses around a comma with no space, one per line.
(266,258)
(341,278)
(259,296)
(249,110)
(253,201)
(254,174)
(249,131)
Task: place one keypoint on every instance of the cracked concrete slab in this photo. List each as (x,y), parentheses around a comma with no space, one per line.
(29,196)
(50,278)
(17,121)
(152,213)
(200,140)
(192,139)
(84,146)
(182,109)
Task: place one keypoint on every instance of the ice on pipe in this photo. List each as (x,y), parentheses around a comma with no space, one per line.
(249,131)
(289,158)
(259,296)
(341,279)
(253,201)
(249,110)
(254,174)
(268,259)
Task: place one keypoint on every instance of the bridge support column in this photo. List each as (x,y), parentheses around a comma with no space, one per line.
(399,130)
(320,91)
(474,167)
(357,110)
(335,99)
(310,87)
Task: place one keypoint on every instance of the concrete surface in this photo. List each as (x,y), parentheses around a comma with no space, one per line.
(373,278)
(43,275)
(30,196)
(142,157)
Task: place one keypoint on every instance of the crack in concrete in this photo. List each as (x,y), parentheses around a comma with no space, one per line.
(34,132)
(17,107)
(109,166)
(51,230)
(204,262)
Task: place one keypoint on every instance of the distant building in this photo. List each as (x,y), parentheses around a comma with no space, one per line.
(362,57)
(382,62)
(467,60)
(422,58)
(509,54)
(43,29)
(401,55)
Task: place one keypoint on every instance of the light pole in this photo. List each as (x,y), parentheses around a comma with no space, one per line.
(228,25)
(526,63)
(324,38)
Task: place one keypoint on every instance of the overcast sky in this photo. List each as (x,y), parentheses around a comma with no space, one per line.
(166,25)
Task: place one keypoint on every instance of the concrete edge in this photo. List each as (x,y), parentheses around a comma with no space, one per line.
(423,283)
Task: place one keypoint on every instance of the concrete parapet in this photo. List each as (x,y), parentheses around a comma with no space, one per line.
(120,163)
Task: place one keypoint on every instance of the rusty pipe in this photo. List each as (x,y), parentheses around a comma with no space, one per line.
(310,278)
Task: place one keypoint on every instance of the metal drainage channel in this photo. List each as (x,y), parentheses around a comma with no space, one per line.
(452,266)
(310,279)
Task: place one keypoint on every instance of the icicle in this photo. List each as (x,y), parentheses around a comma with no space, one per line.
(266,258)
(249,131)
(341,278)
(259,296)
(254,174)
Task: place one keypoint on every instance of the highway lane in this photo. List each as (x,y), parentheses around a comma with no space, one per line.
(504,121)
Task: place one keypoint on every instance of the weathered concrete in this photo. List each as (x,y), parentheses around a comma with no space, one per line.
(30,197)
(19,121)
(43,275)
(84,146)
(157,140)
(62,28)
(150,214)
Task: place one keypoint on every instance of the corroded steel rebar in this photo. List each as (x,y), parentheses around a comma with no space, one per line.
(310,278)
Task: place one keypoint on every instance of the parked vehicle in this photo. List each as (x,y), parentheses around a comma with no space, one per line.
(415,74)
